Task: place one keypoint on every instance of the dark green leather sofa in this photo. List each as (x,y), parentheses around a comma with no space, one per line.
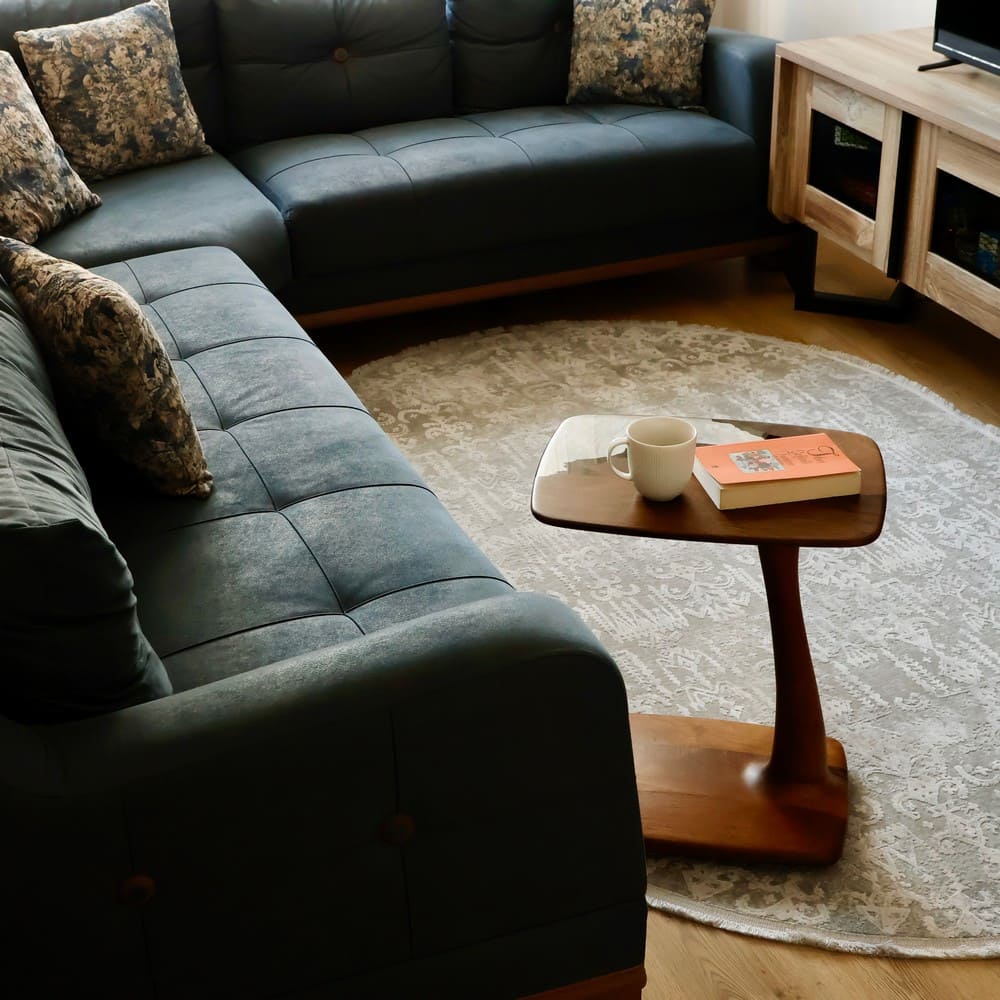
(374,151)
(382,772)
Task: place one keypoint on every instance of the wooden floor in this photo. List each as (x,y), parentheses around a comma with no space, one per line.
(684,960)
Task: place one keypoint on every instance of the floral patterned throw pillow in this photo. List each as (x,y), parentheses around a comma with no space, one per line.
(112,91)
(108,367)
(638,51)
(39,190)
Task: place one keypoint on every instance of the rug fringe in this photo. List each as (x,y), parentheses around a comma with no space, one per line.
(856,944)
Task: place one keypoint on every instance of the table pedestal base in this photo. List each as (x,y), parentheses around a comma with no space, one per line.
(704,790)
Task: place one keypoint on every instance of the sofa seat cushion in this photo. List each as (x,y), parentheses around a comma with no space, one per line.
(69,634)
(452,185)
(200,202)
(318,529)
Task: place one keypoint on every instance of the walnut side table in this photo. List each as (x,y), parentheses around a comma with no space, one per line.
(709,787)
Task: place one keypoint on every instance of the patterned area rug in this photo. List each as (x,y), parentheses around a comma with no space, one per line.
(904,633)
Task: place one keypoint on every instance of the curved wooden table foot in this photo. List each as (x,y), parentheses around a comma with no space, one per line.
(704,791)
(746,792)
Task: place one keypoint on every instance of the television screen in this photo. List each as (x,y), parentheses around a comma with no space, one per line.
(969,31)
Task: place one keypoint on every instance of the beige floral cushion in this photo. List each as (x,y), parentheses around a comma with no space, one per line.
(638,51)
(39,190)
(112,91)
(108,367)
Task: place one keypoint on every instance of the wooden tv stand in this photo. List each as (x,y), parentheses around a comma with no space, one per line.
(912,184)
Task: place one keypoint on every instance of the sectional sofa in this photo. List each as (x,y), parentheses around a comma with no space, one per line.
(382,772)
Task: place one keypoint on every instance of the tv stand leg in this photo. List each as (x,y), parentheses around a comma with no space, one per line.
(937,65)
(801,274)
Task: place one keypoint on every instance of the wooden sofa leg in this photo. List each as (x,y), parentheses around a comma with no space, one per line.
(624,985)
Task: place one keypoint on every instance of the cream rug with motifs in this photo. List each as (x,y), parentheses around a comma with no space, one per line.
(905,633)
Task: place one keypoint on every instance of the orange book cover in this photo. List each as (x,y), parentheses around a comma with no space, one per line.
(800,457)
(775,470)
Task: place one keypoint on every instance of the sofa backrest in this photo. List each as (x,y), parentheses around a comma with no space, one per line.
(197,43)
(299,67)
(269,69)
(69,630)
(510,53)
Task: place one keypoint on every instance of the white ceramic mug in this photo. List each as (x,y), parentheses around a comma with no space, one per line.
(660,453)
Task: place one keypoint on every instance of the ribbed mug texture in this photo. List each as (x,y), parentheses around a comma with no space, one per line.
(660,455)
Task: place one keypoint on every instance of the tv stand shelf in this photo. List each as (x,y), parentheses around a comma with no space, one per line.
(900,167)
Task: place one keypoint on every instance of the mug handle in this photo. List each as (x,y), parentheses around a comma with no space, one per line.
(618,442)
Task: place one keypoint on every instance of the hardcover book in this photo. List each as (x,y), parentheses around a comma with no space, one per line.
(779,470)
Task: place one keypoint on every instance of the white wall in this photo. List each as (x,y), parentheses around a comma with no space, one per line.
(791,19)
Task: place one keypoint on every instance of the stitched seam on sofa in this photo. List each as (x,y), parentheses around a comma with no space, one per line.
(329,582)
(532,128)
(134,533)
(573,109)
(208,396)
(275,509)
(292,409)
(367,142)
(318,159)
(413,187)
(257,628)
(207,284)
(322,62)
(441,138)
(256,471)
(243,451)
(517,145)
(180,356)
(145,297)
(428,583)
(646,114)
(241,340)
(406,173)
(638,139)
(360,486)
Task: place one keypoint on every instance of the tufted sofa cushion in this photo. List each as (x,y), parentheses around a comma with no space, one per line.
(350,64)
(201,202)
(510,53)
(194,28)
(318,530)
(450,186)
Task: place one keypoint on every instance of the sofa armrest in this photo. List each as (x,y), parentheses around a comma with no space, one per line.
(458,785)
(511,636)
(738,73)
(381,671)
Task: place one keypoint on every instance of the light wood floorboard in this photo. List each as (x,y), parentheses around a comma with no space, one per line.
(684,960)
